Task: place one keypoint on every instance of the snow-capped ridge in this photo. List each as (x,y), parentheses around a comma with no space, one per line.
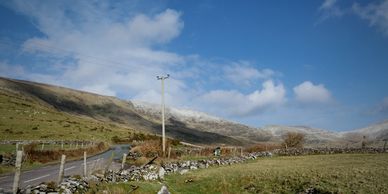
(181,114)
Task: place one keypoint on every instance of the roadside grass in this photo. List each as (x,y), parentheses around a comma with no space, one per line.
(36,158)
(25,166)
(129,187)
(7,148)
(340,173)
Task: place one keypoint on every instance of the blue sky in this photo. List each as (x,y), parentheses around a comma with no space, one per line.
(322,64)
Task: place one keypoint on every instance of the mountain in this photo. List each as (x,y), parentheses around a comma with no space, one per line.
(30,110)
(374,134)
(312,135)
(202,122)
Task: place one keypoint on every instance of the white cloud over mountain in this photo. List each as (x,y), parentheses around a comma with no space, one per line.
(243,73)
(307,92)
(235,103)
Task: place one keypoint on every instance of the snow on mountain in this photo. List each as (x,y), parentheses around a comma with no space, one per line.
(311,134)
(373,132)
(181,114)
(274,133)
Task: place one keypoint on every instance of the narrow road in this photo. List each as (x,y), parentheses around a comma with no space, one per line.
(50,173)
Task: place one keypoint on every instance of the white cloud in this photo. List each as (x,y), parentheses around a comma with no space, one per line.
(233,102)
(375,13)
(307,92)
(329,9)
(244,73)
(111,53)
(98,50)
(328,4)
(383,106)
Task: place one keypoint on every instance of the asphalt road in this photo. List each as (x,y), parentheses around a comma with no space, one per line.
(50,173)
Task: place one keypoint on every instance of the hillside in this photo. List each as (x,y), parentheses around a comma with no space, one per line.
(32,110)
(312,135)
(38,111)
(203,122)
(374,134)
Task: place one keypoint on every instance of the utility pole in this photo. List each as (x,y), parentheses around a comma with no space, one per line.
(162,78)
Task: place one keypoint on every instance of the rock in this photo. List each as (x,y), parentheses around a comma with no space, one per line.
(163,190)
(161,173)
(183,171)
(193,168)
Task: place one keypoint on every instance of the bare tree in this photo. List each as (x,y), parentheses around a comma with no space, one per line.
(293,140)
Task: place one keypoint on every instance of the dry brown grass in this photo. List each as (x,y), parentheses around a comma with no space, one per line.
(34,155)
(260,147)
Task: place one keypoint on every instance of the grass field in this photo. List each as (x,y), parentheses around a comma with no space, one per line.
(341,173)
(22,118)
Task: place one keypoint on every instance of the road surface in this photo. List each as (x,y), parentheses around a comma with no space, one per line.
(50,173)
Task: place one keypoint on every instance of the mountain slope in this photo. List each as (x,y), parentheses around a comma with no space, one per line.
(312,135)
(203,122)
(31,110)
(373,134)
(77,105)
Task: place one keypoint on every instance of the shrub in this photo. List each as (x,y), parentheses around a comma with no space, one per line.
(149,148)
(293,140)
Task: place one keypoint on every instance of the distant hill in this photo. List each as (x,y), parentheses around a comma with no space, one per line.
(32,110)
(312,135)
(374,134)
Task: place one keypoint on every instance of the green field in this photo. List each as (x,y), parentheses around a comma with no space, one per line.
(341,173)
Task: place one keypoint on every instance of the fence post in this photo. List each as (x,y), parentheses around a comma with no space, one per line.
(17,146)
(241,151)
(42,147)
(169,152)
(123,161)
(61,169)
(62,145)
(85,165)
(76,145)
(18,165)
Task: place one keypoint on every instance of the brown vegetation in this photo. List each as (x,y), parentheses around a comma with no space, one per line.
(44,156)
(260,147)
(293,140)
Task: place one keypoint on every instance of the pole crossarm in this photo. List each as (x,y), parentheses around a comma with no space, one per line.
(162,77)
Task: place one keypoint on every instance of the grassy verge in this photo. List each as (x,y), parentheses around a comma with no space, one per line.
(49,157)
(341,173)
